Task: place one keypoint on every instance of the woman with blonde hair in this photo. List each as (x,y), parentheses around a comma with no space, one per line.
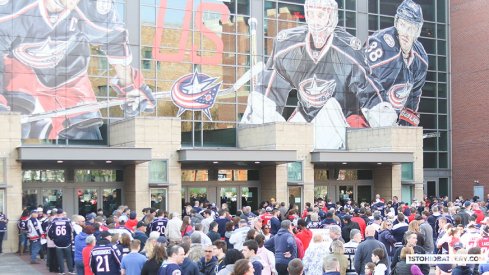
(315,254)
(338,250)
(414,227)
(314,223)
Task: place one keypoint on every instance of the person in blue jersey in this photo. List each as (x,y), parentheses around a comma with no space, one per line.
(105,258)
(399,62)
(159,223)
(61,232)
(171,266)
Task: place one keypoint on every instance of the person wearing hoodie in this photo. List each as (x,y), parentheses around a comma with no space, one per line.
(188,266)
(80,243)
(239,235)
(132,221)
(207,264)
(232,256)
(304,234)
(284,246)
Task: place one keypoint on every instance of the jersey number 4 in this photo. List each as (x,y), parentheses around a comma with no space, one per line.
(373,52)
(102,263)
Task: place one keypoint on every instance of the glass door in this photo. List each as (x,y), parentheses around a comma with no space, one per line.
(87,201)
(249,197)
(364,193)
(52,198)
(345,193)
(229,195)
(111,200)
(295,197)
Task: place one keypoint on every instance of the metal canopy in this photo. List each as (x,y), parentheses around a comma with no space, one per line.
(360,157)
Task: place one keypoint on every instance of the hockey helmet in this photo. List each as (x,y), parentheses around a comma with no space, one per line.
(321,15)
(410,11)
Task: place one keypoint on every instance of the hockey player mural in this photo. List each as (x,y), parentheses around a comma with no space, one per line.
(45,45)
(400,63)
(331,73)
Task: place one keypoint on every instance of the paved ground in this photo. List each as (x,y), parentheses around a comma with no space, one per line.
(14,264)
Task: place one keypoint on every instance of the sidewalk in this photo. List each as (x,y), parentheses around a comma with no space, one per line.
(14,264)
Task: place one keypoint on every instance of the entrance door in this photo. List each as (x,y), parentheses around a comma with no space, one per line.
(229,195)
(345,193)
(364,193)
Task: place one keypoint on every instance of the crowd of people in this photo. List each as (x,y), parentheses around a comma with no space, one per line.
(324,238)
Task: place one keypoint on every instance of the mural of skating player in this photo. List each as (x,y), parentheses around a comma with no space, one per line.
(399,62)
(46,50)
(327,67)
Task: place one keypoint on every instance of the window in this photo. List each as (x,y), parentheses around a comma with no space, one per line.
(294,172)
(407,171)
(98,175)
(43,176)
(3,163)
(158,198)
(158,171)
(2,200)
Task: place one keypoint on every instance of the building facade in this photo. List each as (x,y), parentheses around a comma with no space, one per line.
(200,60)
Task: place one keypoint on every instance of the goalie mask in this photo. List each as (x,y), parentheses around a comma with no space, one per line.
(69,4)
(321,18)
(408,22)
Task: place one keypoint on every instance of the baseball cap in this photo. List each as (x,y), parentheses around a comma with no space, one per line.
(467,203)
(91,216)
(48,212)
(60,211)
(39,209)
(140,223)
(105,234)
(458,246)
(268,209)
(347,217)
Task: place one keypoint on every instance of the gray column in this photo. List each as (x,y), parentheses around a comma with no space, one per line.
(362,19)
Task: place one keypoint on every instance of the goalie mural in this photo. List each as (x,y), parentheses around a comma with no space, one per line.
(46,50)
(333,77)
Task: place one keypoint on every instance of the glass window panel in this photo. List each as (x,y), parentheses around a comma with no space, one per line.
(373,6)
(148,2)
(431,76)
(346,174)
(2,170)
(295,196)
(229,195)
(442,106)
(427,105)
(148,15)
(443,187)
(442,77)
(429,9)
(364,193)
(442,90)
(428,30)
(442,63)
(249,197)
(29,198)
(341,3)
(443,158)
(373,23)
(429,144)
(96,175)
(219,135)
(389,7)
(87,201)
(159,198)
(441,31)
(195,175)
(432,64)
(430,160)
(346,193)
(320,192)
(52,198)
(112,199)
(158,171)
(351,19)
(429,89)
(441,11)
(351,5)
(407,173)
(320,174)
(443,141)
(406,192)
(428,44)
(243,7)
(386,22)
(442,47)
(442,122)
(43,175)
(365,174)
(294,172)
(428,121)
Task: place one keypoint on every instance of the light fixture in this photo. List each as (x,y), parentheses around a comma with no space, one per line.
(215,162)
(345,163)
(59,161)
(379,163)
(257,162)
(108,161)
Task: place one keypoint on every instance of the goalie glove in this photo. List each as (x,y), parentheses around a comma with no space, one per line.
(408,117)
(381,115)
(139,97)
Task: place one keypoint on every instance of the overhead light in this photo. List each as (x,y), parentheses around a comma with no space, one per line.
(59,161)
(345,163)
(215,162)
(379,163)
(108,161)
(257,162)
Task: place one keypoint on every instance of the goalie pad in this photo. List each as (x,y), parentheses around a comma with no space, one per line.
(261,109)
(408,117)
(139,95)
(381,115)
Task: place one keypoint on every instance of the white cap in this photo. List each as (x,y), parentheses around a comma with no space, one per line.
(39,209)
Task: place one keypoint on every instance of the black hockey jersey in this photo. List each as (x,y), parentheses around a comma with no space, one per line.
(159,225)
(402,82)
(57,45)
(61,232)
(105,259)
(337,70)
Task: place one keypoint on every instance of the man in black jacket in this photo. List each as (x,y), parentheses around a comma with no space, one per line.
(411,240)
(363,254)
(348,225)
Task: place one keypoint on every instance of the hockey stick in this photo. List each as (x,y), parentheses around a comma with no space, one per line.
(252,22)
(250,74)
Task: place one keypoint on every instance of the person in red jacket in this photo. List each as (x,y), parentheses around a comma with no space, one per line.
(90,240)
(478,212)
(304,234)
(132,221)
(361,222)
